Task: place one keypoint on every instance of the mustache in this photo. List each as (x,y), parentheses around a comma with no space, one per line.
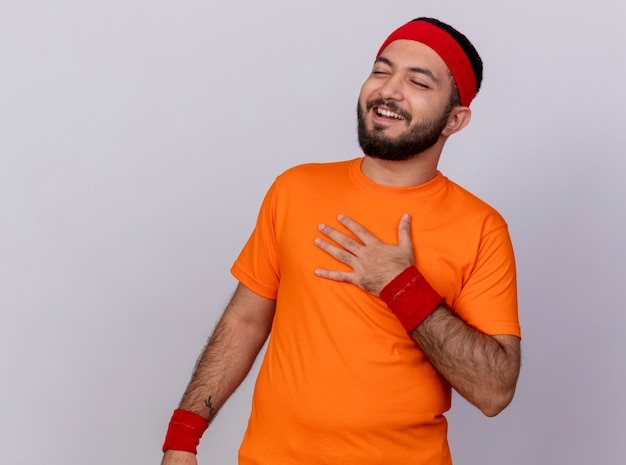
(390,105)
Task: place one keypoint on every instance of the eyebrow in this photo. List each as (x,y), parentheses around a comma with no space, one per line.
(417,69)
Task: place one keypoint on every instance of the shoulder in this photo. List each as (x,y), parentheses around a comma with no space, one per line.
(313,176)
(467,205)
(313,171)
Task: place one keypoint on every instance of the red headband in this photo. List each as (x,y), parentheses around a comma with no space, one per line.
(446,47)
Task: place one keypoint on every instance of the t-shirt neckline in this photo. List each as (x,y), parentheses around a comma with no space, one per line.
(363,182)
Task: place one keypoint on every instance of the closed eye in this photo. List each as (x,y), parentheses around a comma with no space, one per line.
(380,71)
(420,84)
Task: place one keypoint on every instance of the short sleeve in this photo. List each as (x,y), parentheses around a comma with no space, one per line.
(258,264)
(488,299)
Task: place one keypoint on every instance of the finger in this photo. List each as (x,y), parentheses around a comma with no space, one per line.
(338,253)
(358,230)
(340,238)
(342,276)
(404,231)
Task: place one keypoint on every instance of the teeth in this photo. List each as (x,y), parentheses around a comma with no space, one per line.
(389,114)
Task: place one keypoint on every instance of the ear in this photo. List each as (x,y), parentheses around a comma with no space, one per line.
(458,119)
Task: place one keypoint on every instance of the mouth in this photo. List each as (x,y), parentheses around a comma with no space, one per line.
(383,112)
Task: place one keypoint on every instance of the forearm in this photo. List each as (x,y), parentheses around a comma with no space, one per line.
(222,366)
(229,354)
(224,363)
(482,368)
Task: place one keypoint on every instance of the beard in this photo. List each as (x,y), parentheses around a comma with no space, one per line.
(419,137)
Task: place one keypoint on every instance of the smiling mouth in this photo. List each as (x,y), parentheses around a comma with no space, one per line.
(388,113)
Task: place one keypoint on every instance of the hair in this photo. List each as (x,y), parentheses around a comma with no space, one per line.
(468,48)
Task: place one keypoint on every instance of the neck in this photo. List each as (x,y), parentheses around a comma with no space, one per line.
(408,173)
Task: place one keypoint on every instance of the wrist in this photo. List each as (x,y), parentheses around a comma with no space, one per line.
(184,431)
(410,297)
(179,457)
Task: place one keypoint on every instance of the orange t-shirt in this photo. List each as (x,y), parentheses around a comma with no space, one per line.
(341,381)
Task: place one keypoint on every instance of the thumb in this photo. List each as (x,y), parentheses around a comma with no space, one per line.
(404,231)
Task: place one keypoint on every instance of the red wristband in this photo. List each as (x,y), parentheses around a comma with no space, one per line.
(410,298)
(184,431)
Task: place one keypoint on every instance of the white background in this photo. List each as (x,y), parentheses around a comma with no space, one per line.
(138,137)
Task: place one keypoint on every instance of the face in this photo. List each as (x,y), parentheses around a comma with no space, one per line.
(404,103)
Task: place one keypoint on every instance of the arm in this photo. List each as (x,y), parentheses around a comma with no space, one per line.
(226,359)
(482,368)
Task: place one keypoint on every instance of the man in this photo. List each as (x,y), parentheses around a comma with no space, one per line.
(383,284)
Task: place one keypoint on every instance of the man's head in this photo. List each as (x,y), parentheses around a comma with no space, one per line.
(425,76)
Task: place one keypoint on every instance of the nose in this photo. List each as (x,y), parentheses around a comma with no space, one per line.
(391,89)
